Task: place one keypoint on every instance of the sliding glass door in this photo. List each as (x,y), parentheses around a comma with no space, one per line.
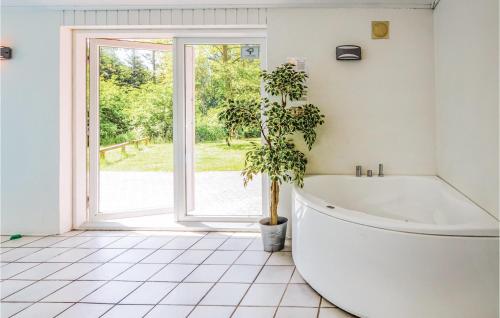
(155,142)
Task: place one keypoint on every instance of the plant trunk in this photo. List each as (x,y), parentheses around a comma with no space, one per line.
(275,198)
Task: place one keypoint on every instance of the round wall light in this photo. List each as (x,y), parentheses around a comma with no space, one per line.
(380,30)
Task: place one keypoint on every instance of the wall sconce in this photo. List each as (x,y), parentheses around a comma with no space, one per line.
(5,53)
(348,53)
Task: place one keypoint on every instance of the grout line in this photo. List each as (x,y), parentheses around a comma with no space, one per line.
(252,240)
(160,269)
(171,262)
(220,277)
(253,282)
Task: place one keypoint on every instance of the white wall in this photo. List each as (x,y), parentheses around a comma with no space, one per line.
(29,121)
(467,57)
(379,109)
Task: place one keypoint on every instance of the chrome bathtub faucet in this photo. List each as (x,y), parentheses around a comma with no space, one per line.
(369,173)
(359,173)
(380,170)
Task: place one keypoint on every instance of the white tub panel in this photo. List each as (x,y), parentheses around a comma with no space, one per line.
(377,273)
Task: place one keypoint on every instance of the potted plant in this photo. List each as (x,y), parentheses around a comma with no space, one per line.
(277,118)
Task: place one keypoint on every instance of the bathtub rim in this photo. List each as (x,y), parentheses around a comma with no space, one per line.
(484,229)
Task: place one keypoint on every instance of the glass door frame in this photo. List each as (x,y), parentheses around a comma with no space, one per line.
(181,155)
(77,41)
(93,133)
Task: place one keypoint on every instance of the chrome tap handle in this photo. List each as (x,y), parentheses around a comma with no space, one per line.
(380,170)
(358,171)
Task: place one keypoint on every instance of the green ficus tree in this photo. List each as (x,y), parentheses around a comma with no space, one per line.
(278,118)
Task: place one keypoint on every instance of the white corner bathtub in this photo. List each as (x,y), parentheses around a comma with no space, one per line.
(396,247)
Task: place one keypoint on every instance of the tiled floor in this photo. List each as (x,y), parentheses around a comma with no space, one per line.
(153,274)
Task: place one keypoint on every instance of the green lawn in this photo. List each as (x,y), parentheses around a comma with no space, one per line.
(217,156)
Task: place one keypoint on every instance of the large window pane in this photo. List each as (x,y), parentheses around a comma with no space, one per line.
(215,74)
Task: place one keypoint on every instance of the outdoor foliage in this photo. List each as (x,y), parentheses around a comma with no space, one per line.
(136,92)
(277,156)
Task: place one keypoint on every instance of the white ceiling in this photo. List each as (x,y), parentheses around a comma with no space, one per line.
(220,3)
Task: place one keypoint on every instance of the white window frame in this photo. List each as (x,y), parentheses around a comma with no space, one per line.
(181,153)
(75,45)
(94,130)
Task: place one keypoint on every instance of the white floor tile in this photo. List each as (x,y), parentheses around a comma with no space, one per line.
(104,233)
(187,294)
(169,311)
(73,271)
(241,274)
(85,311)
(236,244)
(74,291)
(208,244)
(127,311)
(192,257)
(126,242)
(8,309)
(275,274)
(111,293)
(173,273)
(107,271)
(301,295)
(334,313)
(253,258)
(46,241)
(154,274)
(70,233)
(132,256)
(72,241)
(297,278)
(162,256)
(221,235)
(149,293)
(103,255)
(44,255)
(5,249)
(288,246)
(37,291)
(207,273)
(256,245)
(183,242)
(43,310)
(18,253)
(72,255)
(211,312)
(222,257)
(12,269)
(251,235)
(98,242)
(20,242)
(41,271)
(264,295)
(9,287)
(154,242)
(225,294)
(326,304)
(140,272)
(254,312)
(296,312)
(280,258)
